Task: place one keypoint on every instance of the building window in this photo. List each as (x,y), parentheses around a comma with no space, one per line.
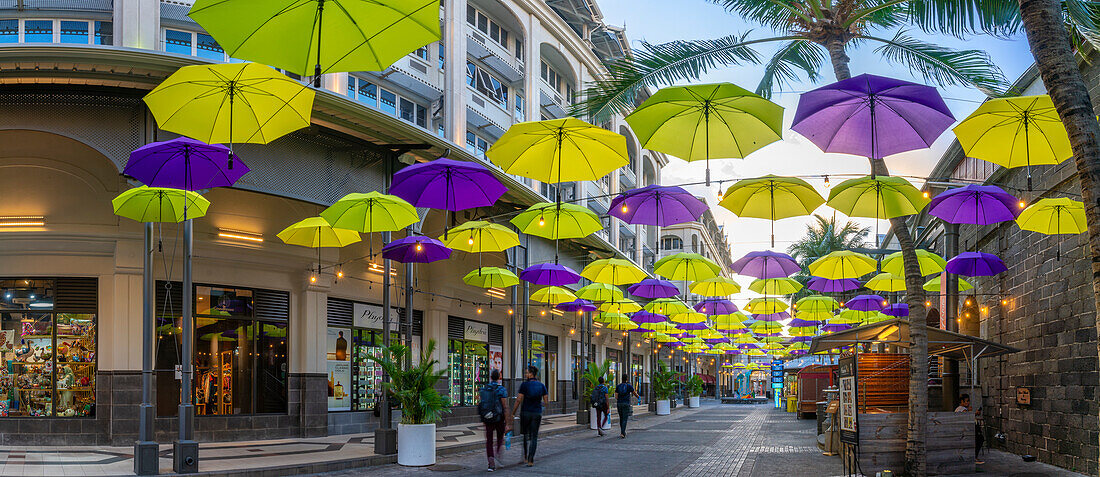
(487,26)
(176,41)
(393,104)
(519,49)
(520,115)
(240,350)
(195,44)
(442,56)
(544,356)
(552,78)
(74,32)
(694,243)
(104,33)
(207,48)
(421,53)
(38,31)
(488,85)
(9,31)
(672,243)
(49,350)
(477,145)
(389,102)
(354,335)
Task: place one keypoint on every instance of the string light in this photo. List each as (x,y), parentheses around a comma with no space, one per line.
(542,312)
(572,331)
(419,246)
(597,333)
(884,303)
(339,273)
(511,311)
(1004,302)
(313,278)
(927,304)
(542,221)
(624,208)
(827,182)
(479,310)
(925,194)
(470,241)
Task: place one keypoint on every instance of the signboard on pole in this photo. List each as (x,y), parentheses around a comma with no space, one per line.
(849,423)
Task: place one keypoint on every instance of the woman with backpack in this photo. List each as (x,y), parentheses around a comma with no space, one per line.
(493,411)
(599,401)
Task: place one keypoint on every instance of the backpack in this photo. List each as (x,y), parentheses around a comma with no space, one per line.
(489,408)
(599,395)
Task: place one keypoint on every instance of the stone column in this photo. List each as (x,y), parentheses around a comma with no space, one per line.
(137,24)
(454,74)
(308,396)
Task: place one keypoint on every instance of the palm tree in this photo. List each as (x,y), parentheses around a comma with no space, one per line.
(824,236)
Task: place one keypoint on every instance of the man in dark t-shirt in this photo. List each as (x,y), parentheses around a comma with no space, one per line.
(529,402)
(623,392)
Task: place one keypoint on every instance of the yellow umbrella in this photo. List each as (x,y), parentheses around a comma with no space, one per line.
(667,306)
(882,197)
(663,338)
(772,198)
(1054,216)
(688,317)
(886,282)
(766,327)
(624,325)
(851,317)
(732,321)
(842,264)
(663,327)
(715,286)
(480,236)
(930,263)
(614,271)
(316,232)
(765,306)
(802,331)
(775,286)
(933,285)
(600,292)
(558,221)
(813,315)
(816,304)
(686,266)
(552,295)
(371,212)
(609,317)
(559,150)
(622,306)
(159,204)
(491,277)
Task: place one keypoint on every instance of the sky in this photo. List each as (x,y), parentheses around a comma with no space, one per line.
(659,21)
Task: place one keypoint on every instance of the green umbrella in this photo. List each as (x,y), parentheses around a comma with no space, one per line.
(491,277)
(771,197)
(159,204)
(371,212)
(698,122)
(879,197)
(686,266)
(303,36)
(556,220)
(600,292)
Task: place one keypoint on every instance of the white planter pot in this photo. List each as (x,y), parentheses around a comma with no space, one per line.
(693,401)
(663,407)
(592,420)
(416,444)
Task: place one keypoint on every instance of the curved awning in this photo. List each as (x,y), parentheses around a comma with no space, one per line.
(896,332)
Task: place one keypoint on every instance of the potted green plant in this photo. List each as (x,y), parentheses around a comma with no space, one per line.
(663,382)
(589,379)
(414,388)
(695,390)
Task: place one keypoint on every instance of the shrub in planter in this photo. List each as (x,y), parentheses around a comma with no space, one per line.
(663,382)
(412,385)
(589,379)
(694,390)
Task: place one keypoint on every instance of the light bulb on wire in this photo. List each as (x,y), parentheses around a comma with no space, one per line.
(624,209)
(419,246)
(827,182)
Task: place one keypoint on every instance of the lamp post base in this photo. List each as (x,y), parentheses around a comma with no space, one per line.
(146,458)
(185,457)
(385,441)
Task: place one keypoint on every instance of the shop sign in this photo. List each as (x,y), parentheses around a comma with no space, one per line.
(370,316)
(475,331)
(1023,396)
(849,426)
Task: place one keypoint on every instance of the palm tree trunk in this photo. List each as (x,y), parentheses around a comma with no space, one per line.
(916,457)
(1046,34)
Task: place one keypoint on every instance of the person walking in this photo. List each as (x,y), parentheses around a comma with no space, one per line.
(530,400)
(493,410)
(623,392)
(979,439)
(599,401)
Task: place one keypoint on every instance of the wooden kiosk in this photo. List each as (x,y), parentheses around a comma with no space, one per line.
(872,413)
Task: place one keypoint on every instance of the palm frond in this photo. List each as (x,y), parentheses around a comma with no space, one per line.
(1082,19)
(943,66)
(774,14)
(784,67)
(880,13)
(661,64)
(960,18)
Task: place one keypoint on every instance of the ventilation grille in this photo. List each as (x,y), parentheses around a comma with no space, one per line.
(496,335)
(77,295)
(340,312)
(272,305)
(456,328)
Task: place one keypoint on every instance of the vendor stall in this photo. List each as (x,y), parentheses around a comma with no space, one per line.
(873,400)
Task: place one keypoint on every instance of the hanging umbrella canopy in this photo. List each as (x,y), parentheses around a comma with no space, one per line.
(654,288)
(764,328)
(663,338)
(478,236)
(688,317)
(600,292)
(813,315)
(578,305)
(775,286)
(556,220)
(929,262)
(1054,216)
(933,285)
(552,295)
(881,197)
(766,306)
(416,249)
(798,322)
(715,306)
(842,264)
(872,116)
(886,282)
(549,274)
(315,232)
(835,327)
(771,197)
(663,327)
(777,316)
(976,264)
(975,204)
(825,285)
(816,304)
(657,205)
(559,150)
(667,306)
(446,184)
(899,310)
(686,266)
(491,277)
(303,37)
(613,271)
(621,325)
(1021,131)
(715,287)
(866,303)
(799,331)
(730,322)
(647,317)
(852,317)
(184,163)
(230,103)
(371,212)
(605,317)
(622,306)
(159,204)
(693,326)
(766,264)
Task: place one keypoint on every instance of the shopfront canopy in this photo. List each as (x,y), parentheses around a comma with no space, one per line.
(896,332)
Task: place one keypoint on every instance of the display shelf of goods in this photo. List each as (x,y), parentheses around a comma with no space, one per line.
(51,371)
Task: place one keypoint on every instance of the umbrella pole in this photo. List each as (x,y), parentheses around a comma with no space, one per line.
(874,135)
(317,66)
(706,136)
(232,86)
(1027,153)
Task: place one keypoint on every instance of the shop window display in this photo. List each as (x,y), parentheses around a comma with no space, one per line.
(50,355)
(469,362)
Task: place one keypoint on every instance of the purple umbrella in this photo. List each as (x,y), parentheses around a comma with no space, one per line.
(716,306)
(657,205)
(976,264)
(766,264)
(835,327)
(796,339)
(824,285)
(654,288)
(747,345)
(184,163)
(640,330)
(577,305)
(549,274)
(691,326)
(716,340)
(799,322)
(416,249)
(673,344)
(872,116)
(733,351)
(866,303)
(447,184)
(780,316)
(900,310)
(975,204)
(647,317)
